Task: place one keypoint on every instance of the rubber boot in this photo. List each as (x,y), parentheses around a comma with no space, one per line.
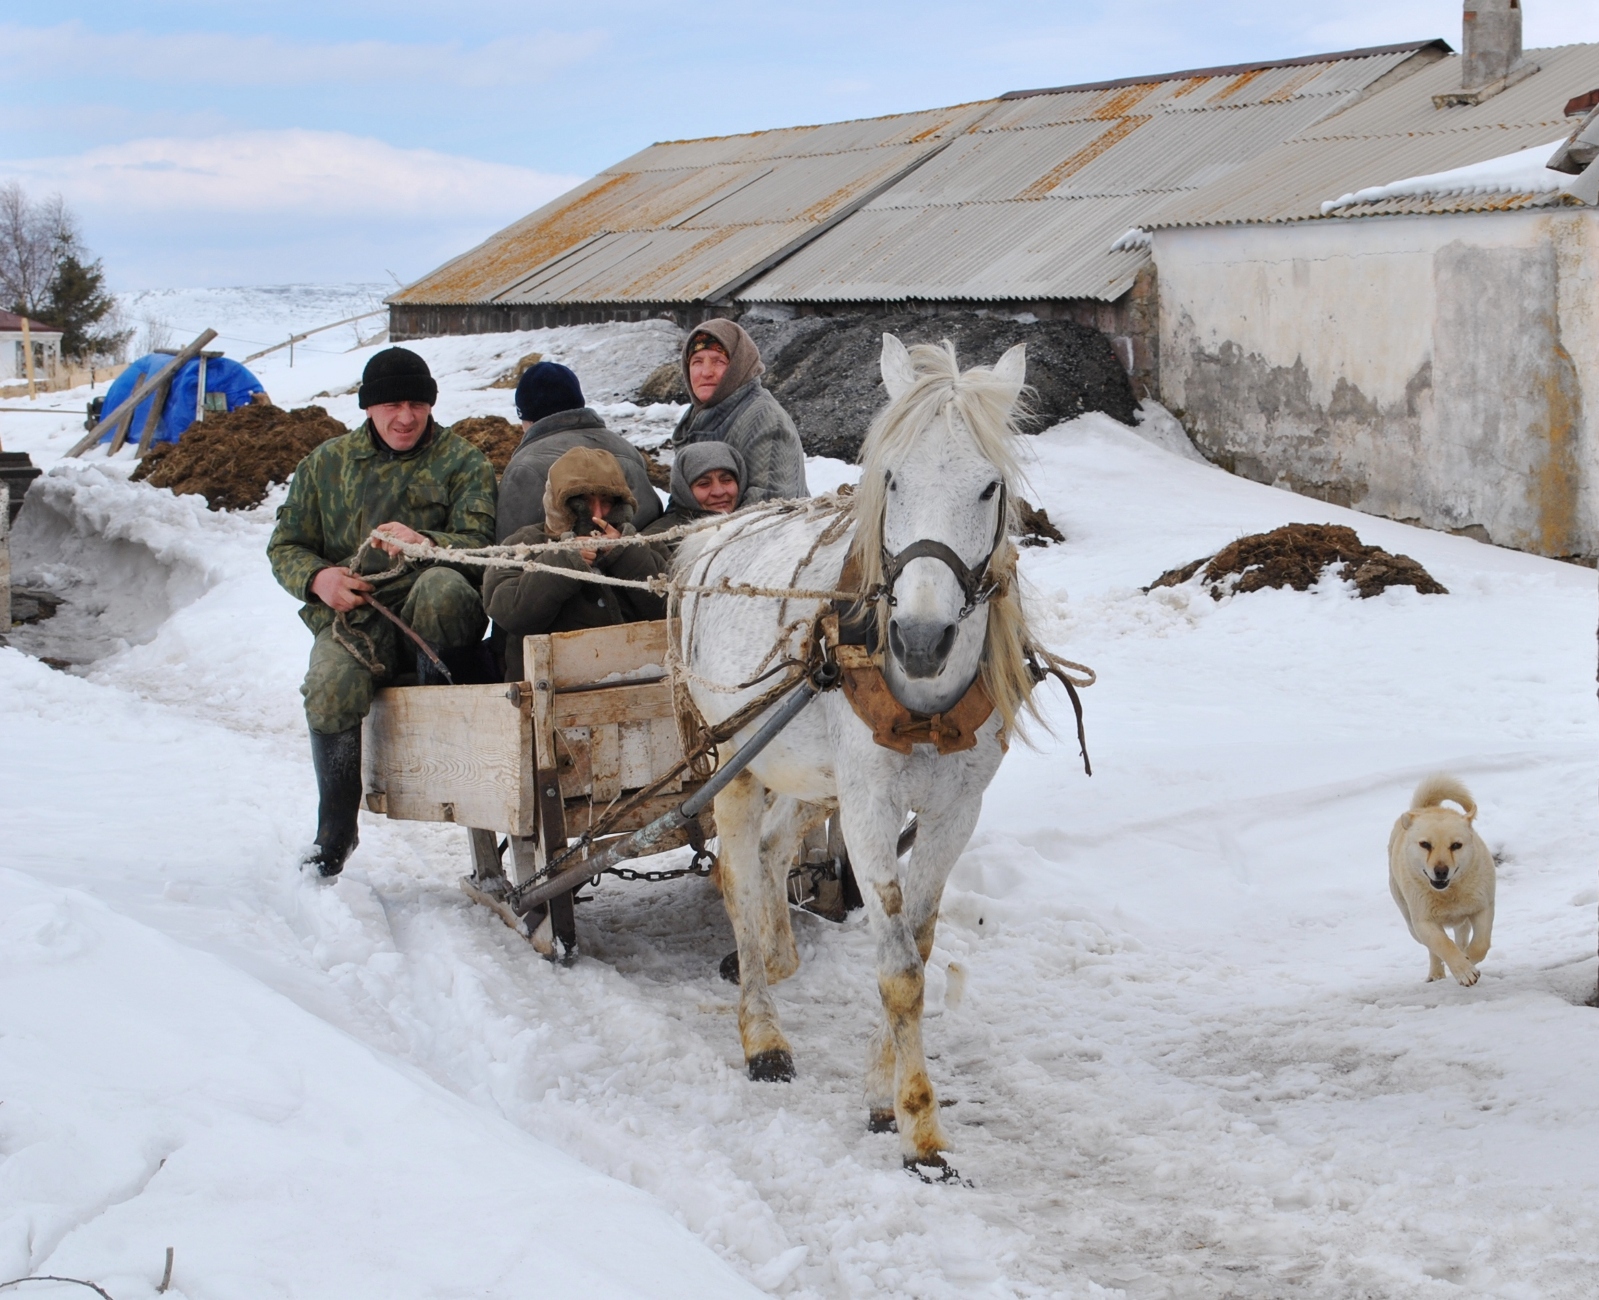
(337,759)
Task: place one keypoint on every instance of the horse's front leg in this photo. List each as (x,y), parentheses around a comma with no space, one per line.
(746,882)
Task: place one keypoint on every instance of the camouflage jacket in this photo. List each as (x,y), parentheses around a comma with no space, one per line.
(443,488)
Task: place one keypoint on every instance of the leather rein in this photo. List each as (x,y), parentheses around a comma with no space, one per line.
(975,583)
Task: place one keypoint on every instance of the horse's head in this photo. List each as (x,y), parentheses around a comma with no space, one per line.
(934,505)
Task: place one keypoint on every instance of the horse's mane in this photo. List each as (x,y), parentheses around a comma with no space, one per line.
(986,405)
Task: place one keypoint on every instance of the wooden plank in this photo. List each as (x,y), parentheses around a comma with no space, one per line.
(605,756)
(666,749)
(451,754)
(152,418)
(636,768)
(598,656)
(485,847)
(576,772)
(613,705)
(140,392)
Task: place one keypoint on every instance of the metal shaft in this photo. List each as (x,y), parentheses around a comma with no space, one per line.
(646,839)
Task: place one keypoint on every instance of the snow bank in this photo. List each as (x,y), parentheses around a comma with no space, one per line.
(1522,172)
(155,1097)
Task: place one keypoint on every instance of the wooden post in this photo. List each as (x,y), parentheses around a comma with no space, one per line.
(27,355)
(158,406)
(124,410)
(199,393)
(537,655)
(5,557)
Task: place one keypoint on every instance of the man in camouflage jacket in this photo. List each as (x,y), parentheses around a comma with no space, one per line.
(403,475)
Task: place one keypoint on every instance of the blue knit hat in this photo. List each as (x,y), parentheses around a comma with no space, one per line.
(547,389)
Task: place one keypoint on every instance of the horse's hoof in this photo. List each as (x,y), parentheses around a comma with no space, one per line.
(881,1121)
(934,1169)
(775,1066)
(729,967)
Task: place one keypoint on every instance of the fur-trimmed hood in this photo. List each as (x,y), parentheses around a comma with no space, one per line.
(577,473)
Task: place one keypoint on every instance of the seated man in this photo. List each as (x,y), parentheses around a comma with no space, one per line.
(722,368)
(403,475)
(587,496)
(549,401)
(707,479)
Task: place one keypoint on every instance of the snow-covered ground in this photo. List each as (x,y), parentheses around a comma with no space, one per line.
(1184,1037)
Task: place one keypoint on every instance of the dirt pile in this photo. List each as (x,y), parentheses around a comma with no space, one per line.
(825,370)
(665,384)
(1295,556)
(232,459)
(493,435)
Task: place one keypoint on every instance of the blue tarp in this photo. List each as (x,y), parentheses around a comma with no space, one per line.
(221,376)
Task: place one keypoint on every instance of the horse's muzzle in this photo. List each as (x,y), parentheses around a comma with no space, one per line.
(922,646)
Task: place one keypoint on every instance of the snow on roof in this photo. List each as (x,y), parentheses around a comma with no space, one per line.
(1522,172)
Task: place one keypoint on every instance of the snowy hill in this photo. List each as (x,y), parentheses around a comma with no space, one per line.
(1185,1036)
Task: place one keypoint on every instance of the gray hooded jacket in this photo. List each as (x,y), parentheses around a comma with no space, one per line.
(744,415)
(522,485)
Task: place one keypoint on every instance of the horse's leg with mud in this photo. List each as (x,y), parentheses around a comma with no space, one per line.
(740,809)
(899,983)
(782,831)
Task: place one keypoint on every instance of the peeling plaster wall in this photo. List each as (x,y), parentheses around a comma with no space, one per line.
(1437,369)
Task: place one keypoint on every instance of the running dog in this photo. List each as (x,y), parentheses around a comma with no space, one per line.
(1442,875)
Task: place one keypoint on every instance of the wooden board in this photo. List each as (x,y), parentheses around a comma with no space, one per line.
(586,660)
(452,754)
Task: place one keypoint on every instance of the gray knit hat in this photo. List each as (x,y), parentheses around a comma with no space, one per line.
(698,459)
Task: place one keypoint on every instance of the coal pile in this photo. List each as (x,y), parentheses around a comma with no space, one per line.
(232,459)
(493,435)
(1296,555)
(825,370)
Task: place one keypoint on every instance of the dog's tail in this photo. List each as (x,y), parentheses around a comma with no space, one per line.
(1434,789)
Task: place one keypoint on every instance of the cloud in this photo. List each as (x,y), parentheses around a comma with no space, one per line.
(225,59)
(262,206)
(261,173)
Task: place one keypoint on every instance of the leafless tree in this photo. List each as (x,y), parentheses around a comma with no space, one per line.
(33,238)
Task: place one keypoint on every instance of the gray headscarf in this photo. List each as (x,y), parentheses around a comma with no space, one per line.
(698,459)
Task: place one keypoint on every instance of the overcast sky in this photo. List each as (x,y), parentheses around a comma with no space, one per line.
(232,143)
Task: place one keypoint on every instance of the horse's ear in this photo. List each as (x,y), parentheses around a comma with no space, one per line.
(1012,370)
(898,372)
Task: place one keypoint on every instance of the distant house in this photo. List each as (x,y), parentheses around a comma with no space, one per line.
(46,341)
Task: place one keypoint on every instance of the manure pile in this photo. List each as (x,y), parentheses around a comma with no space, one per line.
(1295,556)
(232,459)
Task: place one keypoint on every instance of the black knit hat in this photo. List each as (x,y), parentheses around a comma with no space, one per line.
(397,375)
(547,389)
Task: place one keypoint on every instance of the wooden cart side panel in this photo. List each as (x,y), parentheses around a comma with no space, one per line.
(451,754)
(598,655)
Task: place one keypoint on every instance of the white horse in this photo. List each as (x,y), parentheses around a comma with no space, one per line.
(929,534)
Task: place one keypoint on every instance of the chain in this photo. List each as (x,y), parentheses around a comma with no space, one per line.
(702,864)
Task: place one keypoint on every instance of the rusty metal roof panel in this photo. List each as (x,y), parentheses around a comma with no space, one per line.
(1443,204)
(682,265)
(1394,134)
(1047,248)
(771,179)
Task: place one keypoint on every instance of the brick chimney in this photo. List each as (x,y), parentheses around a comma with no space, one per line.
(1492,60)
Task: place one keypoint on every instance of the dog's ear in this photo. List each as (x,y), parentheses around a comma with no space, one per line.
(1405,820)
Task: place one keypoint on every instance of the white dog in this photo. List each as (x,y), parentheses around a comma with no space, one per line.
(1442,874)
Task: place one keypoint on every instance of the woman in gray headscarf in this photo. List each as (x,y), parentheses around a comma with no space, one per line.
(722,368)
(707,479)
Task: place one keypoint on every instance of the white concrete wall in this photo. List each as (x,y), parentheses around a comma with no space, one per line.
(1440,369)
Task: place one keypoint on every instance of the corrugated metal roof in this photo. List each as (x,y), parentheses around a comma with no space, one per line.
(685,218)
(1043,185)
(1434,204)
(1394,134)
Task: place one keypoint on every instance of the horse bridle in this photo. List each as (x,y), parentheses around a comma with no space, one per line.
(975,583)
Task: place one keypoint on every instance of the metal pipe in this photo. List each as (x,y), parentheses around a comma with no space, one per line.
(645,840)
